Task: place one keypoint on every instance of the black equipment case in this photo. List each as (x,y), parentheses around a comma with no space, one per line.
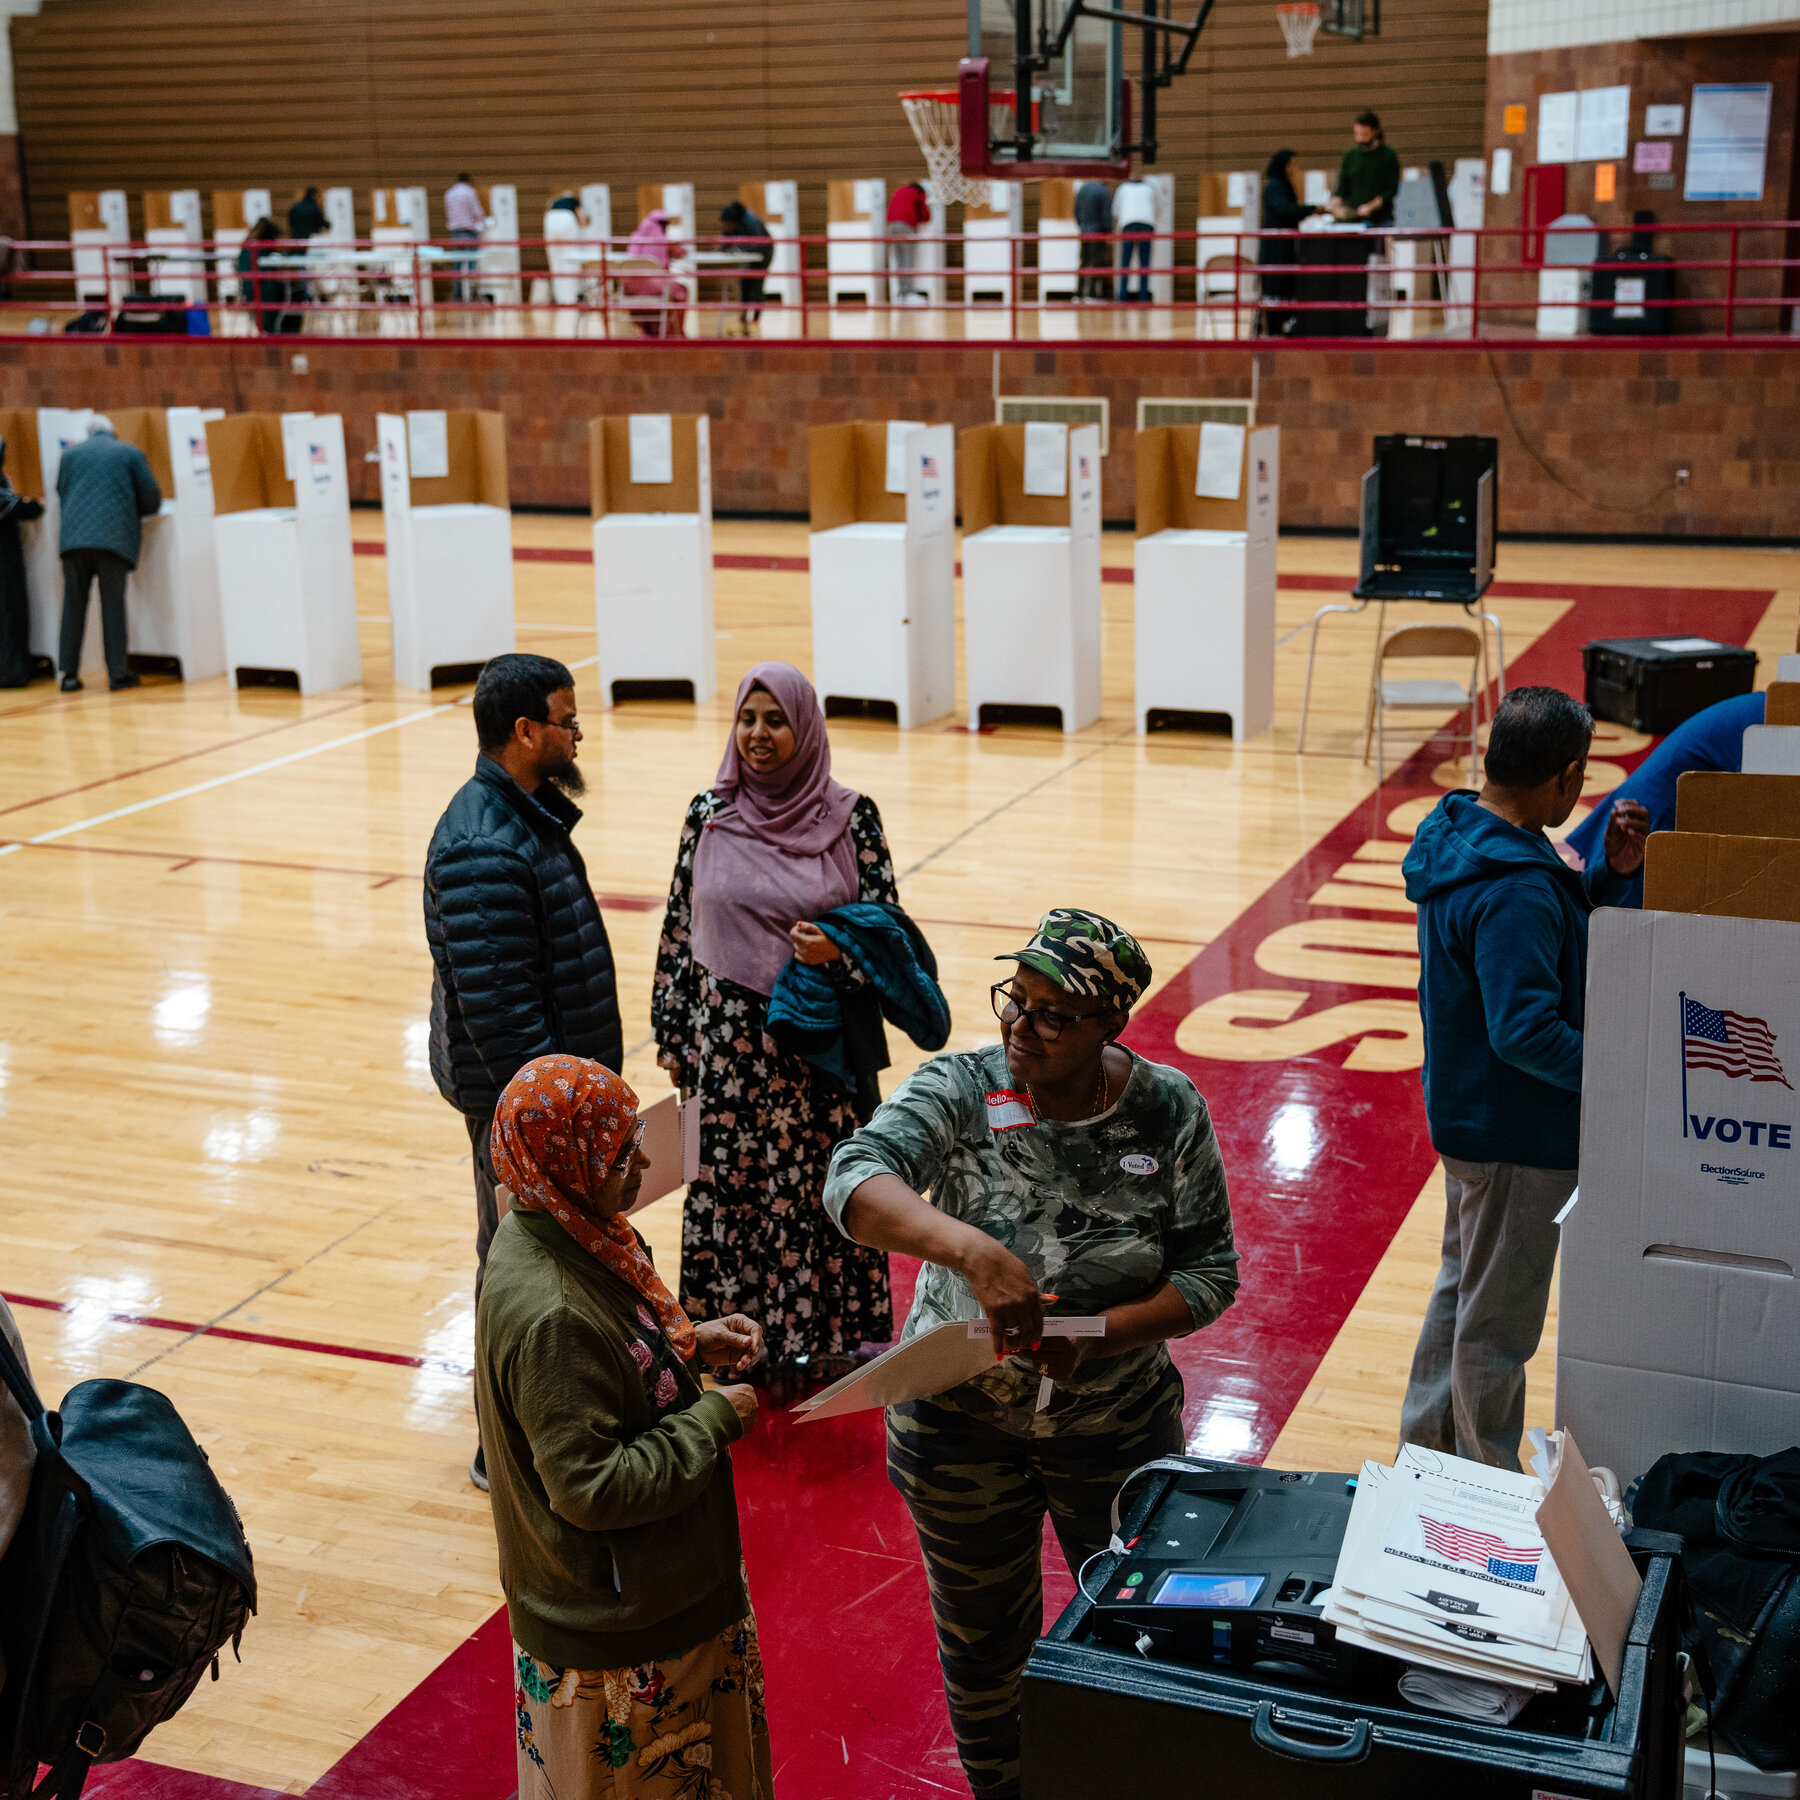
(1653,684)
(1098,1721)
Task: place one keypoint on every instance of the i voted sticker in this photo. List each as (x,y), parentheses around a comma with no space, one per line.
(1138,1165)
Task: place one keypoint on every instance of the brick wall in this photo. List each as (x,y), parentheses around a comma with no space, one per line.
(1595,435)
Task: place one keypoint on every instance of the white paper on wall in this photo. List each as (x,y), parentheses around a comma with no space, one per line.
(340,213)
(1728,141)
(652,448)
(1047,459)
(428,445)
(1558,119)
(1501,181)
(1601,122)
(1664,121)
(1318,187)
(294,427)
(871,197)
(1219,473)
(896,452)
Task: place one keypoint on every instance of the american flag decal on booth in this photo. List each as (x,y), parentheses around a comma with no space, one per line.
(1456,1543)
(1728,1043)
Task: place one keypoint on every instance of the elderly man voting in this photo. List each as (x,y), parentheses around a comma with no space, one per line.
(1066,1171)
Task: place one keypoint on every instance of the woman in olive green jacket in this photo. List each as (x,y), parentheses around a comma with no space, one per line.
(639,1675)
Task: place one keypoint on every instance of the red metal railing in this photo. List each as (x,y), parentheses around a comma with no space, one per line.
(1740,279)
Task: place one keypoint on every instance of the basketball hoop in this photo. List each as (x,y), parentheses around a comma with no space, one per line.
(1299,25)
(936,119)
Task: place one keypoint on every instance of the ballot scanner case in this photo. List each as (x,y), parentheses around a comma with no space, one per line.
(1099,1719)
(172,607)
(281,532)
(1031,569)
(883,560)
(1205,573)
(650,483)
(448,523)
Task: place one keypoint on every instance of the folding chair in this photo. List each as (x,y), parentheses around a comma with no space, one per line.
(1411,642)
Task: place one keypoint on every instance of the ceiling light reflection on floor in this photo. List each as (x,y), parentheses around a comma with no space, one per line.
(1293,1138)
(179,1017)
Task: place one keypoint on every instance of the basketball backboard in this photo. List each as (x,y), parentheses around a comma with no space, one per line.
(1078,97)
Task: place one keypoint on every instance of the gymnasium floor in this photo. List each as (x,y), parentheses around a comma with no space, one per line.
(228,1173)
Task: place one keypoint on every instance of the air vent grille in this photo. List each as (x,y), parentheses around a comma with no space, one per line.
(1152,413)
(1034,409)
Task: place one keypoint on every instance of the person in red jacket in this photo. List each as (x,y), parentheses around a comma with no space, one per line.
(908,209)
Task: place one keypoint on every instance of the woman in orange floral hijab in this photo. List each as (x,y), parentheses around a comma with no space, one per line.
(638,1672)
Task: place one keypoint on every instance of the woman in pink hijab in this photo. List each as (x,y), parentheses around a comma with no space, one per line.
(770,846)
(650,242)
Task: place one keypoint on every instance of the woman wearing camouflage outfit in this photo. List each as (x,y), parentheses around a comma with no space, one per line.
(1062,1169)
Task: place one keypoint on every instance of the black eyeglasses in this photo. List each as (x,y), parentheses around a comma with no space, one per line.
(1048,1023)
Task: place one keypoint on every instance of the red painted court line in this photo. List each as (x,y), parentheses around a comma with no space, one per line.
(187,1329)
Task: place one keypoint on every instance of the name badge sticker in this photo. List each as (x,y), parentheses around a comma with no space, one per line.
(1139,1165)
(1008,1111)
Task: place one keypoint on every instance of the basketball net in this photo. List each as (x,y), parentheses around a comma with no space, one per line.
(936,120)
(1299,25)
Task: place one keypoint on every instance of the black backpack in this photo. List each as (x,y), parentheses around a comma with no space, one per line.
(129,1573)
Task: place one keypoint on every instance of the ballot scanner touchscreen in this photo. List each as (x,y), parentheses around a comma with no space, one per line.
(1187,1588)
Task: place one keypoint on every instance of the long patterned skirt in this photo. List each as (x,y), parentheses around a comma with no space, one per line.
(689,1729)
(756,1238)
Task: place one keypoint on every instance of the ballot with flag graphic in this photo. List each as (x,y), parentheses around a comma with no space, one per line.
(1446,1538)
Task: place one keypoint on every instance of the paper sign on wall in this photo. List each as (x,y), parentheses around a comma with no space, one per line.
(1219,473)
(428,445)
(896,452)
(1501,180)
(652,449)
(1653,159)
(1047,459)
(1601,118)
(1606,181)
(1557,117)
(1728,143)
(1318,187)
(1664,121)
(1512,121)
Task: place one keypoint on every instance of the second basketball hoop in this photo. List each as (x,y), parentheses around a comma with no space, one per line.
(1299,25)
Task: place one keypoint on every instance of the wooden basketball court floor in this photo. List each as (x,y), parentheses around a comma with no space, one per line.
(227,1172)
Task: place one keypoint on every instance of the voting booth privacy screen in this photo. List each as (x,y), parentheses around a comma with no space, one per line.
(1429,511)
(650,477)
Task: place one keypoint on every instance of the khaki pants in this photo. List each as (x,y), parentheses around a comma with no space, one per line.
(1466,1395)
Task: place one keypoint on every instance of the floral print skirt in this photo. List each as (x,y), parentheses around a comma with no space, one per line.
(691,1728)
(755,1236)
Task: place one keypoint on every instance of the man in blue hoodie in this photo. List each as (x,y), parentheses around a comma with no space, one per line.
(1503,926)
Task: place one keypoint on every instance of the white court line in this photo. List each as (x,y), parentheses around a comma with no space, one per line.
(261,768)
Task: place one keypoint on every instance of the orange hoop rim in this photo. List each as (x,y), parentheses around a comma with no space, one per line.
(953,97)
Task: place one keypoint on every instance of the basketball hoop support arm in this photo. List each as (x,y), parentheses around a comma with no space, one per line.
(979,161)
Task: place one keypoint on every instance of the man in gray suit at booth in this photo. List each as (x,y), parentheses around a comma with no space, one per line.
(107,491)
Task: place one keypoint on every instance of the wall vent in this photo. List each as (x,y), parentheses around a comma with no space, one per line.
(1152,413)
(1033,409)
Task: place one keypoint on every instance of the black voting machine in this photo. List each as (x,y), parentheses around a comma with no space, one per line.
(1428,510)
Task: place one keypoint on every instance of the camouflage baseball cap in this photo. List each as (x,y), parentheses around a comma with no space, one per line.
(1086,954)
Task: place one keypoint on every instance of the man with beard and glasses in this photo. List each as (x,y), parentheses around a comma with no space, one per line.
(521,966)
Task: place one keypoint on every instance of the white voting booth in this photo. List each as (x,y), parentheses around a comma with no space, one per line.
(172,223)
(1208,505)
(96,222)
(58,428)
(883,561)
(988,231)
(339,292)
(1059,242)
(650,479)
(497,264)
(1162,247)
(777,204)
(401,217)
(281,530)
(855,248)
(172,597)
(447,515)
(1031,569)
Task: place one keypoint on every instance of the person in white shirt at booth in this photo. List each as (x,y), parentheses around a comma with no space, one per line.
(1134,218)
(464,218)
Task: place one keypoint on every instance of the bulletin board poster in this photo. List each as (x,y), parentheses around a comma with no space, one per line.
(1728,140)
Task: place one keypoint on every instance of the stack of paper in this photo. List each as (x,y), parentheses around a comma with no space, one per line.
(1443,1565)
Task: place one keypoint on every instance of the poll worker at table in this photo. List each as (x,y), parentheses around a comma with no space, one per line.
(1368,176)
(1282,210)
(746,232)
(106,491)
(306,217)
(268,292)
(635,1654)
(1503,933)
(1712,741)
(650,243)
(1066,1175)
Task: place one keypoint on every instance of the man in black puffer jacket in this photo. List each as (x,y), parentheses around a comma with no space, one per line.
(521,966)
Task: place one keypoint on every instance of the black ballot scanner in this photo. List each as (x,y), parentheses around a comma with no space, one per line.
(1197,1663)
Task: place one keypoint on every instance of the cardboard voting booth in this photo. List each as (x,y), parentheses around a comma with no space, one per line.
(855,248)
(1059,242)
(172,597)
(281,529)
(988,250)
(97,221)
(883,560)
(448,522)
(498,259)
(650,477)
(1031,569)
(175,233)
(1208,506)
(400,217)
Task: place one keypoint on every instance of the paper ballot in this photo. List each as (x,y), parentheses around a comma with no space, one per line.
(1219,473)
(896,453)
(652,438)
(1046,459)
(931,1363)
(428,445)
